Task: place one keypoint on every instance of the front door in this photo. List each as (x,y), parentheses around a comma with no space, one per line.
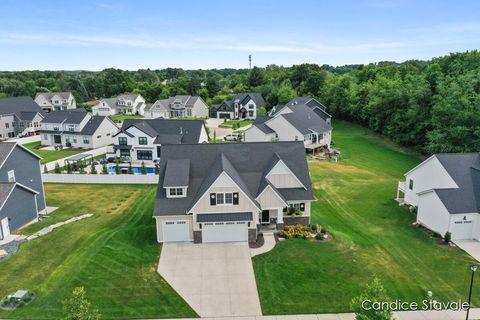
(266,217)
(57,139)
(4,228)
(314,138)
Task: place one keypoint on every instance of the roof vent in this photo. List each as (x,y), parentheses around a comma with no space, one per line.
(181,130)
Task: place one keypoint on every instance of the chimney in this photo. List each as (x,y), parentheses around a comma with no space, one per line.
(181,130)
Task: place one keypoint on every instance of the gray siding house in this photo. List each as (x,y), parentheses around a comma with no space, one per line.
(22,195)
(19,116)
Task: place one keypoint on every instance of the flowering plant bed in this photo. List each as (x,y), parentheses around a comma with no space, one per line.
(309,232)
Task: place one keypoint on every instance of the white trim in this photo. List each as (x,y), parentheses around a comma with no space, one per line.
(280,160)
(275,191)
(422,163)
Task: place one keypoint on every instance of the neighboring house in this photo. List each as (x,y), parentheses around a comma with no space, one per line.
(312,103)
(178,107)
(223,192)
(19,116)
(242,106)
(22,196)
(445,188)
(142,139)
(55,101)
(296,122)
(78,129)
(130,104)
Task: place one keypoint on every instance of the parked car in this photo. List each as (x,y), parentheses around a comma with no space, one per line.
(232,137)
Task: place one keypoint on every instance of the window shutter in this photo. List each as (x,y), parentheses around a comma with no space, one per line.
(285,209)
(213,199)
(235,198)
(302,206)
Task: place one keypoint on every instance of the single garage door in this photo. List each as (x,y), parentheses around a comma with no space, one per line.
(225,231)
(224,115)
(176,231)
(462,230)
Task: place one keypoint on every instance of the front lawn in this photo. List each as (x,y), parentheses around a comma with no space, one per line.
(229,124)
(122,117)
(113,255)
(373,236)
(51,155)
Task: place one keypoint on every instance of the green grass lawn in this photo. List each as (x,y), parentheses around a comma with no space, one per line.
(113,255)
(373,236)
(122,117)
(229,124)
(51,155)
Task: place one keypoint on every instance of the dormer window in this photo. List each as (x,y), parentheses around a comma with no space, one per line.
(180,192)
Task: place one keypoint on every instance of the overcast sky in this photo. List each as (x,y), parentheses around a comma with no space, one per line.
(194,34)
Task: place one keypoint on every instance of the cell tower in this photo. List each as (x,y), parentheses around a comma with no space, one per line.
(249,61)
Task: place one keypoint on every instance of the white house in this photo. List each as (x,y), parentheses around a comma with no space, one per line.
(55,101)
(142,139)
(292,123)
(178,107)
(223,192)
(19,117)
(242,106)
(445,188)
(78,129)
(130,104)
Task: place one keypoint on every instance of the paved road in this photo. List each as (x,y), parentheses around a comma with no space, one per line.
(216,280)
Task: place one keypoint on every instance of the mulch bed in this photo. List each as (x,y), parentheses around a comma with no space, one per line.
(260,241)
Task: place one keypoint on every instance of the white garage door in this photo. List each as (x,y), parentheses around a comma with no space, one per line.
(176,231)
(224,231)
(462,229)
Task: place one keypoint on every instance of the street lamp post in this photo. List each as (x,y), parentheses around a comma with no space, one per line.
(474,268)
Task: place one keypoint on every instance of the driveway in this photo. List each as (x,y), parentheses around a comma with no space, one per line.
(213,123)
(216,280)
(472,247)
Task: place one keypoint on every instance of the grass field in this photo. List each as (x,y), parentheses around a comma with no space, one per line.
(229,124)
(50,155)
(373,236)
(113,255)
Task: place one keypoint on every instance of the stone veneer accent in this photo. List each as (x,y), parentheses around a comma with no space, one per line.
(252,235)
(296,220)
(197,236)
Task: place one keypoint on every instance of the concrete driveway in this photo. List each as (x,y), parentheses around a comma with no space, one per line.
(213,123)
(216,280)
(472,247)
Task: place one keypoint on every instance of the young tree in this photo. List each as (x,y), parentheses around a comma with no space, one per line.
(130,168)
(143,169)
(57,168)
(78,307)
(117,167)
(262,111)
(93,169)
(104,169)
(45,170)
(157,169)
(68,166)
(214,136)
(374,292)
(81,167)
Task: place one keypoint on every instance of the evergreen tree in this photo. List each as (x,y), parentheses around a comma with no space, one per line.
(104,169)
(143,169)
(57,168)
(77,307)
(93,169)
(130,168)
(117,167)
(374,292)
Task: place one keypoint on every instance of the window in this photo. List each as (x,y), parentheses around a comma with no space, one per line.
(11,176)
(7,125)
(228,198)
(144,155)
(220,199)
(74,139)
(124,153)
(55,128)
(122,141)
(251,106)
(45,137)
(410,184)
(23,124)
(71,127)
(189,112)
(224,198)
(250,113)
(35,124)
(296,138)
(98,137)
(142,140)
(176,192)
(86,140)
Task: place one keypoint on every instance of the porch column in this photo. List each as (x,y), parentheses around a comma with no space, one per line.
(280,215)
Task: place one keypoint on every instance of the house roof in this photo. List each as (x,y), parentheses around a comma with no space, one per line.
(177,173)
(243,98)
(73,116)
(208,161)
(164,104)
(93,124)
(6,147)
(167,130)
(306,120)
(464,168)
(6,189)
(20,106)
(260,124)
(50,95)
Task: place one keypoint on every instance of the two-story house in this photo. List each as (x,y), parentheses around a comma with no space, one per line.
(178,107)
(445,188)
(22,196)
(312,103)
(296,122)
(77,129)
(130,104)
(55,101)
(223,192)
(142,139)
(19,117)
(242,106)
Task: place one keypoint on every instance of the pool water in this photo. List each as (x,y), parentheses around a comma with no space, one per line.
(136,170)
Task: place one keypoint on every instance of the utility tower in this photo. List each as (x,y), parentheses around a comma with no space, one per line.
(249,61)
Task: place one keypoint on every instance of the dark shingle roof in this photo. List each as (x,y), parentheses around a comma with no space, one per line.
(243,97)
(92,125)
(5,149)
(18,105)
(73,116)
(177,173)
(208,161)
(464,168)
(306,120)
(260,124)
(5,190)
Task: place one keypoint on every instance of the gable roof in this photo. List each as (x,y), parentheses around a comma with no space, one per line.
(242,98)
(177,173)
(6,148)
(165,104)
(73,116)
(306,120)
(189,130)
(50,95)
(20,105)
(93,124)
(208,161)
(6,189)
(464,168)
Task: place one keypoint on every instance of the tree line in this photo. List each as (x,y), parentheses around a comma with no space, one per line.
(432,106)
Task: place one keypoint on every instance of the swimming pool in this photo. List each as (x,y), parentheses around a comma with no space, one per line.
(136,170)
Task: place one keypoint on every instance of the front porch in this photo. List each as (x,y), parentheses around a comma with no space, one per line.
(272,220)
(401,192)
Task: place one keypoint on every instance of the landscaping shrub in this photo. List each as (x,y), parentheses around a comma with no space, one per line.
(104,169)
(320,236)
(157,169)
(130,168)
(143,169)
(294,212)
(447,237)
(69,167)
(57,168)
(413,209)
(296,231)
(93,169)
(45,170)
(314,227)
(117,167)
(323,230)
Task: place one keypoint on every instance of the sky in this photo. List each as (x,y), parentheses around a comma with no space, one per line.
(200,34)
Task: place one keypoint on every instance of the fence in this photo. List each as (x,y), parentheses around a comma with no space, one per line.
(100,178)
(61,162)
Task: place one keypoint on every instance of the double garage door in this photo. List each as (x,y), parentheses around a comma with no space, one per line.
(224,231)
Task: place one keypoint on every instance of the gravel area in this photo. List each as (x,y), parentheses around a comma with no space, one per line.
(11,248)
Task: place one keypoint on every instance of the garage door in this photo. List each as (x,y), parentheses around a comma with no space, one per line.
(176,231)
(224,231)
(224,115)
(462,229)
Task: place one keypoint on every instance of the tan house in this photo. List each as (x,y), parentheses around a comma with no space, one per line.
(221,193)
(128,104)
(55,101)
(178,107)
